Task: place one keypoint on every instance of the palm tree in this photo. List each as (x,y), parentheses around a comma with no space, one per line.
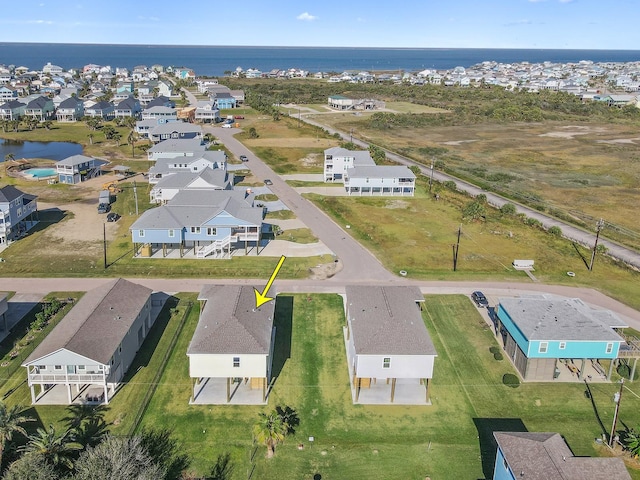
(11,420)
(58,450)
(131,140)
(9,157)
(117,136)
(90,138)
(270,431)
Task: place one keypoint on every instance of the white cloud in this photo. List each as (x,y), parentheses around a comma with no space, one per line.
(361,20)
(306,16)
(40,22)
(518,22)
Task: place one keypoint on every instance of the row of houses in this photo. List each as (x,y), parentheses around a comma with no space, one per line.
(199,212)
(389,355)
(361,176)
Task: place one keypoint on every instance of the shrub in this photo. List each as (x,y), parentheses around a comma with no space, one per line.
(624,370)
(555,231)
(474,210)
(508,209)
(481,198)
(498,356)
(533,222)
(451,185)
(511,380)
(494,349)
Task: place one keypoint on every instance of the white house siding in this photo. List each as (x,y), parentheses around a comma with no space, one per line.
(221,366)
(401,366)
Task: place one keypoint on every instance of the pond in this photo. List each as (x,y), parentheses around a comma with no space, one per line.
(50,150)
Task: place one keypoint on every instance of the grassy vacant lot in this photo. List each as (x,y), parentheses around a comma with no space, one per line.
(385,442)
(416,234)
(587,170)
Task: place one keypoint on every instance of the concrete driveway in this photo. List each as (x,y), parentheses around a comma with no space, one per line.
(19,306)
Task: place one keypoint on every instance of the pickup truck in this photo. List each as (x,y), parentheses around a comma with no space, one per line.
(104,208)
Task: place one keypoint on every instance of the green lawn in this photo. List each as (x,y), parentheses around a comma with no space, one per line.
(382,442)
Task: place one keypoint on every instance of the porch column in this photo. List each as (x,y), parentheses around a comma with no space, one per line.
(228,389)
(33,393)
(633,369)
(426,388)
(264,389)
(164,249)
(610,369)
(358,386)
(581,374)
(106,394)
(393,388)
(181,248)
(69,391)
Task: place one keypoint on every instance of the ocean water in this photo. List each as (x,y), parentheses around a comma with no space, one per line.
(215,60)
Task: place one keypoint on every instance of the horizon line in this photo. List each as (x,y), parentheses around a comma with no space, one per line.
(313,47)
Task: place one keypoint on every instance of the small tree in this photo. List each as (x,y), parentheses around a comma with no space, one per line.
(223,468)
(270,431)
(11,421)
(630,438)
(253,133)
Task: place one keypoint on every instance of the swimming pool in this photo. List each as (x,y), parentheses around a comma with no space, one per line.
(40,172)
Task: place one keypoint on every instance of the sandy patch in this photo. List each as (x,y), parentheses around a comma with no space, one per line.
(392,204)
(457,143)
(618,141)
(312,160)
(571,131)
(301,142)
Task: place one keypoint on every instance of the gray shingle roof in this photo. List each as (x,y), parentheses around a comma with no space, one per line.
(386,320)
(178,145)
(176,127)
(96,325)
(75,160)
(558,318)
(9,193)
(545,456)
(157,218)
(360,157)
(381,171)
(229,322)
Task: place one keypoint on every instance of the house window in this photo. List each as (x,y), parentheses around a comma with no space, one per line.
(609,347)
(195,229)
(562,345)
(386,362)
(41,367)
(57,367)
(172,233)
(236,361)
(543,347)
(81,367)
(141,233)
(211,231)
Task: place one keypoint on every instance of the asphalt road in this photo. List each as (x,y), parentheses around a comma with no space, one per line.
(358,264)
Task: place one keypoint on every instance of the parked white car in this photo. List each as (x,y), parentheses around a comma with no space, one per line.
(227,125)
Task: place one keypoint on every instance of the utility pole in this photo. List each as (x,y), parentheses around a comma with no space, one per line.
(617,398)
(104,243)
(431,178)
(135,195)
(456,247)
(351,135)
(599,226)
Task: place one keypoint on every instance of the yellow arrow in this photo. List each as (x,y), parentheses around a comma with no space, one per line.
(262,298)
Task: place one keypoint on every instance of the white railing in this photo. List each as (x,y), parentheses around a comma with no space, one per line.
(66,377)
(218,246)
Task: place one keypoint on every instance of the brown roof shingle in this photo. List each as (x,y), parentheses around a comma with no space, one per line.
(544,456)
(96,325)
(386,320)
(229,322)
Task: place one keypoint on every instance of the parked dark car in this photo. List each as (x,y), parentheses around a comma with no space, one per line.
(243,158)
(268,182)
(113,217)
(479,299)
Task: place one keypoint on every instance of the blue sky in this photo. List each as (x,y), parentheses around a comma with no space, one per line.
(575,24)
